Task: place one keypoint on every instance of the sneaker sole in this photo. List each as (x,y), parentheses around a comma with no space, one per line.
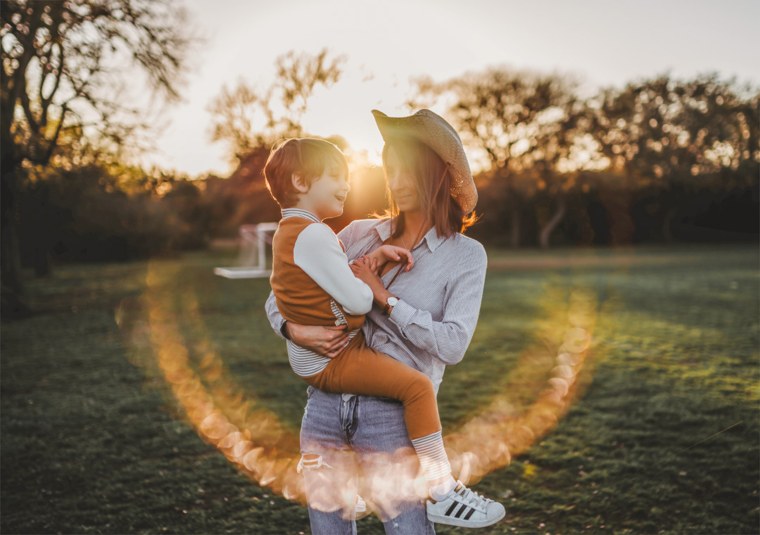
(453,521)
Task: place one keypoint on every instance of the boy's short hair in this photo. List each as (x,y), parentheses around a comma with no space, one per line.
(307,157)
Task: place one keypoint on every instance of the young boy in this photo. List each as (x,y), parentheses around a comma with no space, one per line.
(313,284)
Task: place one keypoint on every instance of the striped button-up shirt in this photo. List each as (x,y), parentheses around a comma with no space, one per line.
(434,320)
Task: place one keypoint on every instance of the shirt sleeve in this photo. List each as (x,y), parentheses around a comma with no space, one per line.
(273,313)
(449,338)
(346,235)
(319,253)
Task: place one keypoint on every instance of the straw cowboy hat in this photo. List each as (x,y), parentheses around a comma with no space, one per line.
(433,130)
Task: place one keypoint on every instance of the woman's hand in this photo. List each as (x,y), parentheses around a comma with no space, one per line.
(392,253)
(325,341)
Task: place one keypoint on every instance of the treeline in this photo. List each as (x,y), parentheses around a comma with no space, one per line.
(660,159)
(656,160)
(91,213)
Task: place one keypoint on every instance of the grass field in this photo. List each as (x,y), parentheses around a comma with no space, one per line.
(663,438)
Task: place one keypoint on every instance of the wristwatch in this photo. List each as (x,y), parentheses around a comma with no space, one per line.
(389,304)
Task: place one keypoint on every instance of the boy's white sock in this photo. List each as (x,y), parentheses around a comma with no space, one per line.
(434,461)
(441,490)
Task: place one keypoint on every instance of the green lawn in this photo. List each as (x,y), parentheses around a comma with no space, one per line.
(663,438)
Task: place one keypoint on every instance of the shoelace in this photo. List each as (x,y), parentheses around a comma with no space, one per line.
(470,497)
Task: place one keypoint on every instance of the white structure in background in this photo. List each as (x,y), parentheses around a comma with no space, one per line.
(252,262)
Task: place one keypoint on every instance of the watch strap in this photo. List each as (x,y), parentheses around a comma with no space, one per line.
(387,307)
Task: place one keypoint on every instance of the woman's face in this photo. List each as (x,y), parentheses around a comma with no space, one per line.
(401,183)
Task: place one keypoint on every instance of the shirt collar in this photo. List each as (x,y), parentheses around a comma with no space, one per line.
(299,212)
(431,238)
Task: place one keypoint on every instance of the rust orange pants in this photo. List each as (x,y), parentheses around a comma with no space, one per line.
(359,369)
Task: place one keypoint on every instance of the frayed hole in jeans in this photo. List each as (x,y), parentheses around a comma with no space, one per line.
(311,461)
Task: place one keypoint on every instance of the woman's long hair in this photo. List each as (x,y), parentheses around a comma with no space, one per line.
(433,182)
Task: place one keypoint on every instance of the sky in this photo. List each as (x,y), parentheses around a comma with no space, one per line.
(387,42)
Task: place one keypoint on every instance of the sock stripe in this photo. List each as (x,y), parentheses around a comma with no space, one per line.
(428,439)
(432,455)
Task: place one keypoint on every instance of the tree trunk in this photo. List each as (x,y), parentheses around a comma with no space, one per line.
(555,219)
(42,264)
(38,217)
(12,304)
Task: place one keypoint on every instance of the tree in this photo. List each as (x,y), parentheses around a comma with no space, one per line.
(246,118)
(60,68)
(526,125)
(676,135)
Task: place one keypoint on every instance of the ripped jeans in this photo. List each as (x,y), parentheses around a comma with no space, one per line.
(359,435)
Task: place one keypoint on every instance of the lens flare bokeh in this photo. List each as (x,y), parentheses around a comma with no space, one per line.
(538,391)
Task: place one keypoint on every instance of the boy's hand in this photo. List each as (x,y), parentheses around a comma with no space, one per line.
(365,268)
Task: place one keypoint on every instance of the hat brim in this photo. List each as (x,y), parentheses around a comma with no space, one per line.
(435,132)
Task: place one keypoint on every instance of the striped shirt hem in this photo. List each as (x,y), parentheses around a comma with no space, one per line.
(305,362)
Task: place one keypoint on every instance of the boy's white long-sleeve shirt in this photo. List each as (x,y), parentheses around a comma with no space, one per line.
(319,253)
(314,283)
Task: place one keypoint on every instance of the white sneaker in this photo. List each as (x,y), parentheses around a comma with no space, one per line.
(465,508)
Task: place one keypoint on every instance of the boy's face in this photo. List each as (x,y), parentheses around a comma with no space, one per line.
(327,194)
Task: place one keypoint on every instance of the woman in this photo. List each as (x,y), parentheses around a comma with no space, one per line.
(425,317)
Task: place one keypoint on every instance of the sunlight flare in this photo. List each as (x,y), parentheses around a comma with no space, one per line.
(547,378)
